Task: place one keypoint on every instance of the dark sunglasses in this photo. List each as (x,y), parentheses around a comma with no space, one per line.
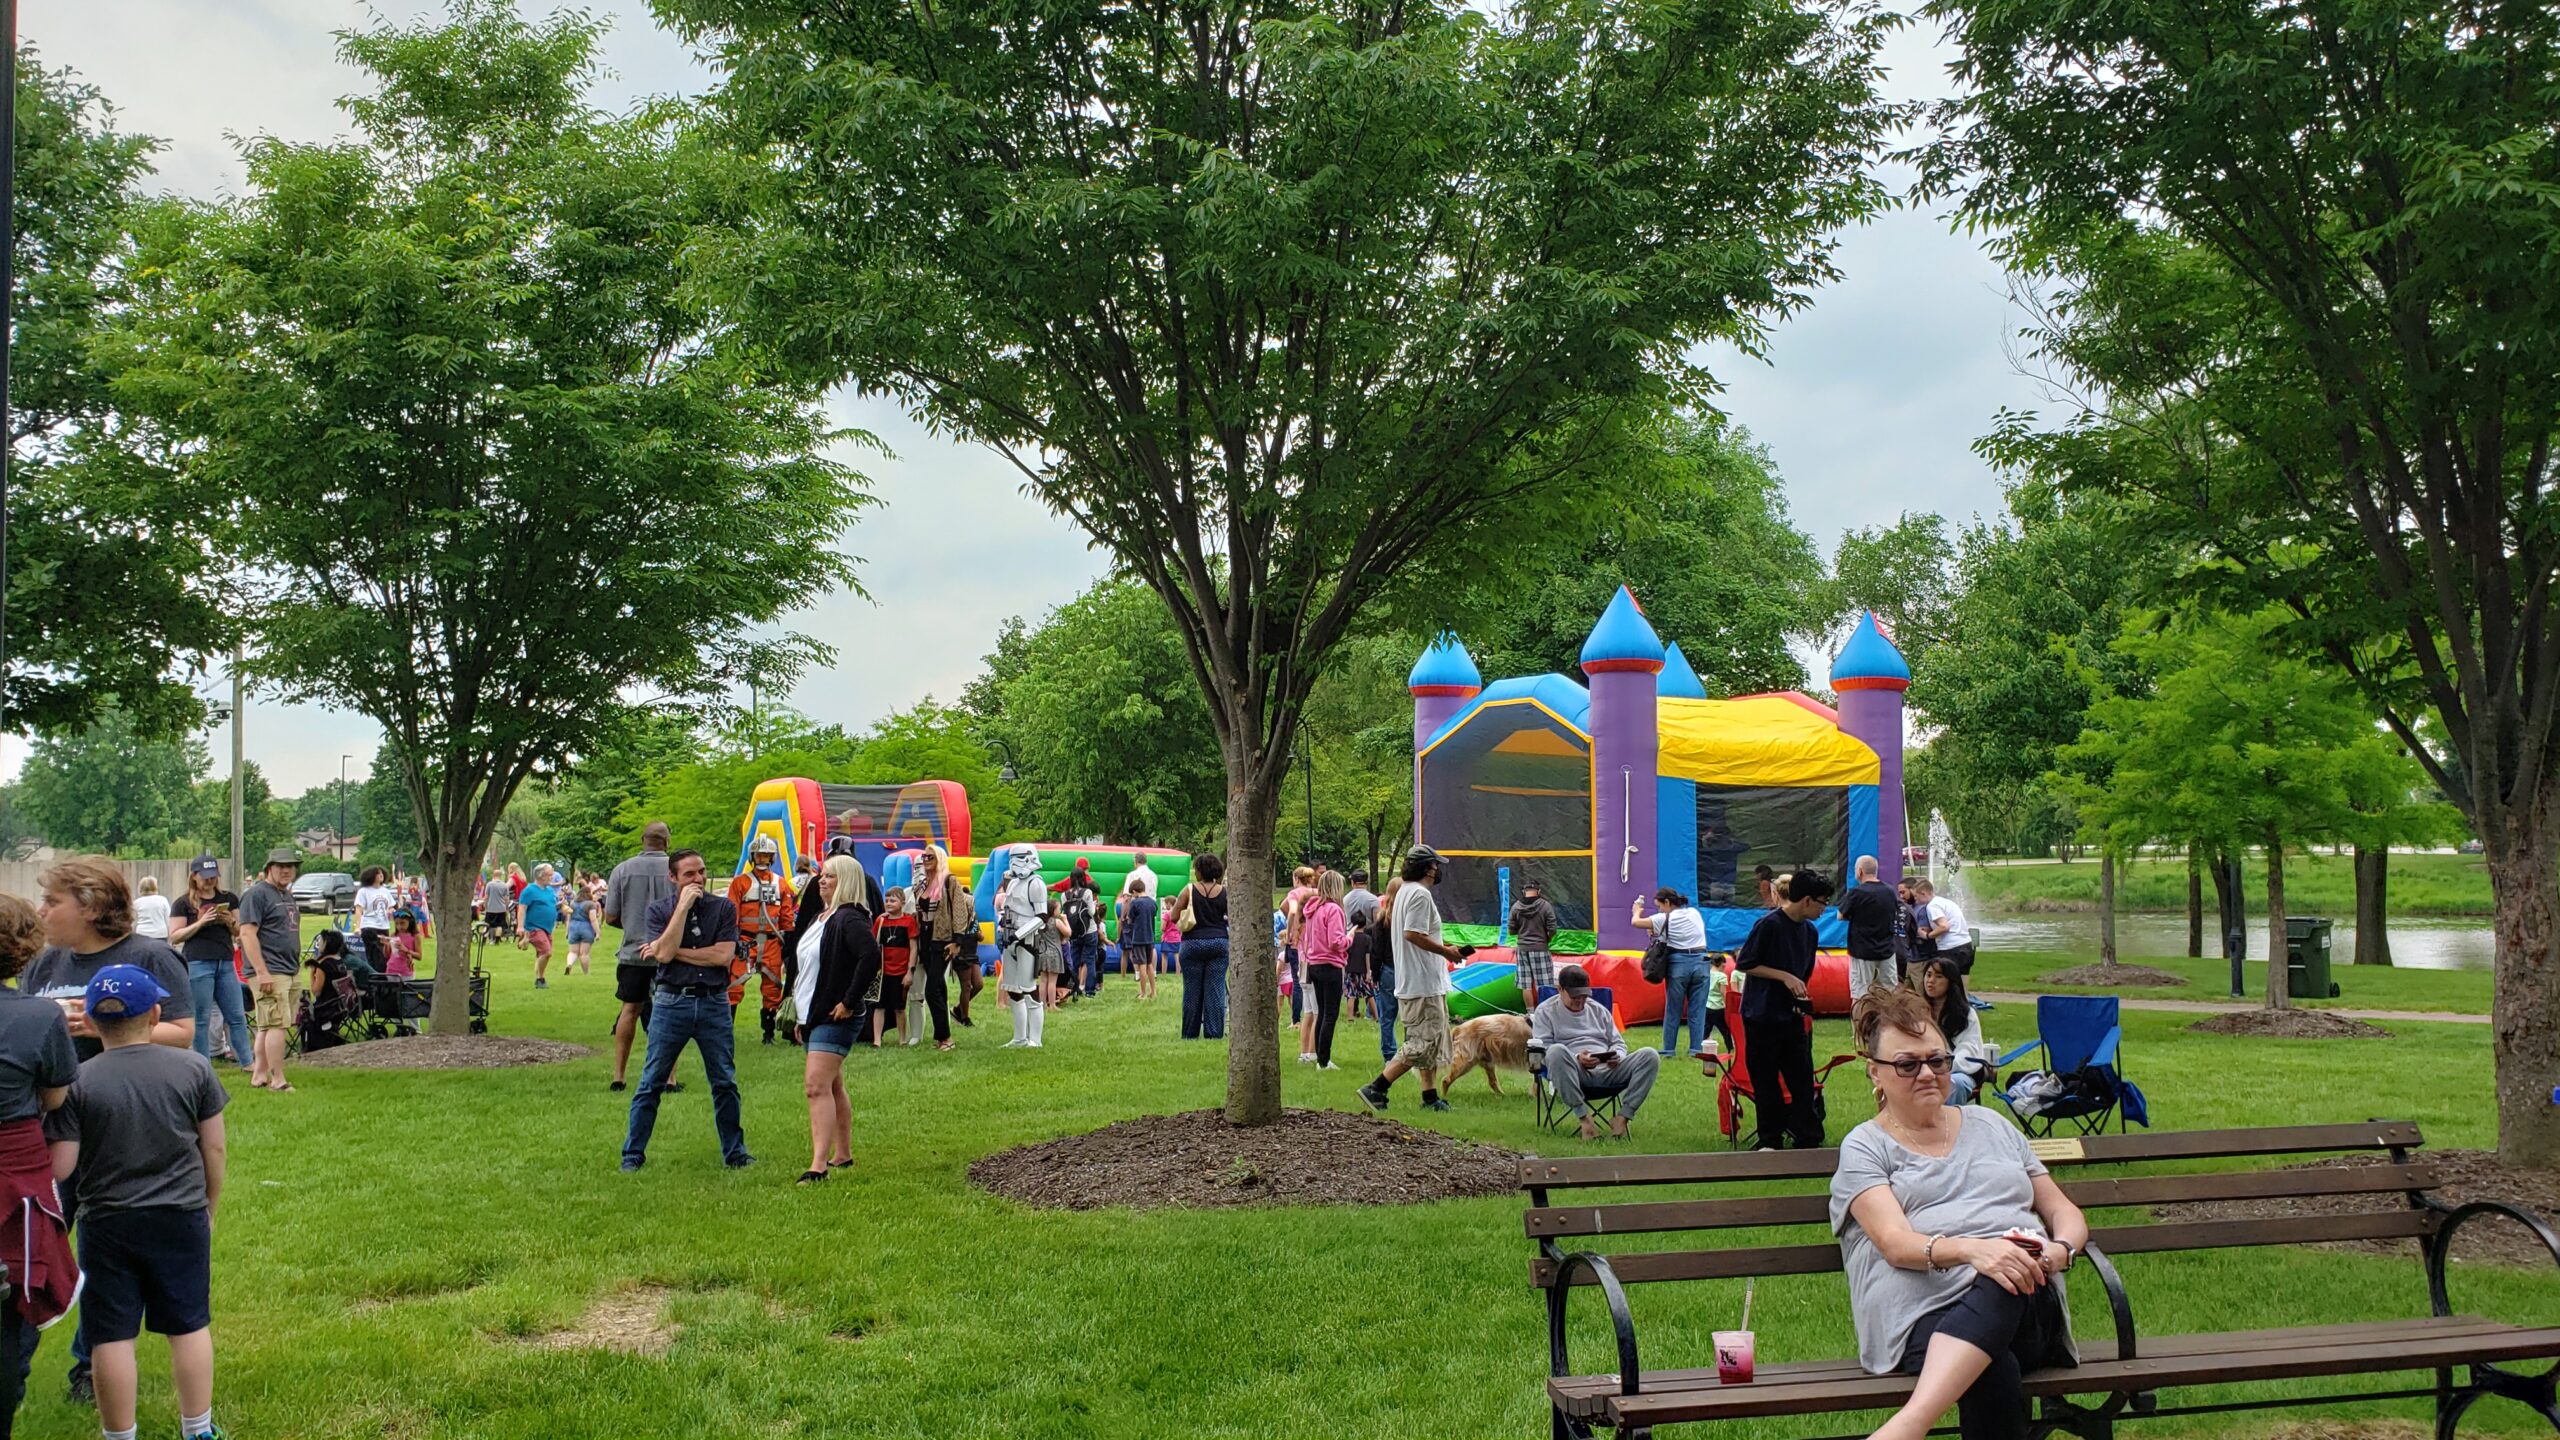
(1908,1067)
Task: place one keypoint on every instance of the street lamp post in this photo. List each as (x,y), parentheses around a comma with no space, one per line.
(1008,774)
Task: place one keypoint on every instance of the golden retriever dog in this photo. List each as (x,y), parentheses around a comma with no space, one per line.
(1489,1043)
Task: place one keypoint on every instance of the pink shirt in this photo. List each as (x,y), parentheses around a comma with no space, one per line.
(1327,938)
(404,956)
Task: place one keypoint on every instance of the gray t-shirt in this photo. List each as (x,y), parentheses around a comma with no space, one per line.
(1554,1026)
(134,1111)
(1985,1186)
(35,1054)
(278,922)
(1360,907)
(64,974)
(636,885)
(1418,972)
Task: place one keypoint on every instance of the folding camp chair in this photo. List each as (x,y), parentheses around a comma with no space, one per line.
(2081,1040)
(1603,1099)
(1733,1085)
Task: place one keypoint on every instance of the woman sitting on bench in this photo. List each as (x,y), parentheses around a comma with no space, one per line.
(1954,1238)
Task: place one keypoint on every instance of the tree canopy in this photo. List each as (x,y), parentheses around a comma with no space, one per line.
(1295,304)
(412,364)
(111,788)
(100,538)
(2304,262)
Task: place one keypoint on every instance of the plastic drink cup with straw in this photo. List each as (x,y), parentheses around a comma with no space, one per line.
(1734,1347)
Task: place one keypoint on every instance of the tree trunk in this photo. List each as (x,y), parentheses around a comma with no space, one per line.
(2195,901)
(2107,905)
(2523,853)
(2279,975)
(1253,993)
(449,1008)
(2373,909)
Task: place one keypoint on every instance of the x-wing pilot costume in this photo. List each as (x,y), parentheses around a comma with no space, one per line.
(765,902)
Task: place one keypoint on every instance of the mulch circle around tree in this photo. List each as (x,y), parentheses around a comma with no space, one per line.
(2113,977)
(443,1052)
(2294,1024)
(1196,1160)
(2462,1175)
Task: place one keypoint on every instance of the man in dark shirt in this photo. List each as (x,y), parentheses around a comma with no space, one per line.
(693,935)
(1777,1044)
(1916,944)
(1869,910)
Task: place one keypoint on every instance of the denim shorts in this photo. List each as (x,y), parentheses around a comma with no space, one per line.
(834,1037)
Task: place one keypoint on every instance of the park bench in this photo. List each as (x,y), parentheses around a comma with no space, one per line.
(2121,1376)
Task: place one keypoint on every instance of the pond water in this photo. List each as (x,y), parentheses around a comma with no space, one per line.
(2422,944)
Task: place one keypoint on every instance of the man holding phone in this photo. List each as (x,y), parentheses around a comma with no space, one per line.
(693,937)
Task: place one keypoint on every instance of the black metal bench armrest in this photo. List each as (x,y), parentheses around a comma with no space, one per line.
(2117,1301)
(1630,1373)
(2440,1245)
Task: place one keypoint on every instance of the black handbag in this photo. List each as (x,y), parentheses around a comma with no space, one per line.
(1657,957)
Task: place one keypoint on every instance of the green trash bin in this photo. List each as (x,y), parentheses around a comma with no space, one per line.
(2306,959)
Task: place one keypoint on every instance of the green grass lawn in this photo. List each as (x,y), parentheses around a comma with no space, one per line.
(2443,885)
(390,1242)
(2362,987)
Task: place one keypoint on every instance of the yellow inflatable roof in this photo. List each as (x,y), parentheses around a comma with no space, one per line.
(1770,740)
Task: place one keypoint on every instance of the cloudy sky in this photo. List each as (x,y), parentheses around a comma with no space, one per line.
(1869,402)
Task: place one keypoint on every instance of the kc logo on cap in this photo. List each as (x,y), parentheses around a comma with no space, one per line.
(122,990)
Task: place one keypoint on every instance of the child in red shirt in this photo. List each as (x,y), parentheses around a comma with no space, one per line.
(897,931)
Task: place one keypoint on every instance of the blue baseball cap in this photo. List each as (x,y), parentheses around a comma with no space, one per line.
(122,990)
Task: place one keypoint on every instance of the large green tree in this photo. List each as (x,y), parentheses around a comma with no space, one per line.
(408,363)
(110,576)
(583,821)
(1699,531)
(265,821)
(110,787)
(2307,251)
(1906,573)
(1110,733)
(2236,742)
(1293,303)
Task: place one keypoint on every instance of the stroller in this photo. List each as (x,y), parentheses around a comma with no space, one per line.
(1733,1085)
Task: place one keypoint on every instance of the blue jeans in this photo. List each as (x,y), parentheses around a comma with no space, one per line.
(214,986)
(1084,961)
(1204,989)
(708,1022)
(1386,1008)
(1685,994)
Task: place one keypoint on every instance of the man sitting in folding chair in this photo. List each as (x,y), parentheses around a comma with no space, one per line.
(1574,1046)
(2079,1080)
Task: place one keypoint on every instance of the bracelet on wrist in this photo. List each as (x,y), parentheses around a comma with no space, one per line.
(1929,1252)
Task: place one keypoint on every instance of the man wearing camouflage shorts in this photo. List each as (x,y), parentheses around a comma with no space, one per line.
(1422,983)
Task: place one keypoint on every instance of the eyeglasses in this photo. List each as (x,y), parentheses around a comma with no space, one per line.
(1908,1067)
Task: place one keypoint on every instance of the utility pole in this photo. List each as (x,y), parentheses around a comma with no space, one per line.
(239,791)
(340,848)
(8,321)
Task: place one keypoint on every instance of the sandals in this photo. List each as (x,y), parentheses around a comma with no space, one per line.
(839,1164)
(942,1045)
(810,1177)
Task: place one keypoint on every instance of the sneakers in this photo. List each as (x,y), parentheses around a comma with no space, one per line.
(1435,1104)
(1328,1065)
(617,1087)
(1305,1059)
(1374,1098)
(84,1390)
(541,984)
(741,1163)
(628,1166)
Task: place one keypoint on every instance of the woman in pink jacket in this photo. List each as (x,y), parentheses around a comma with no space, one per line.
(1324,943)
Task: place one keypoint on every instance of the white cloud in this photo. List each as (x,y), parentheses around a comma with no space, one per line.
(1869,405)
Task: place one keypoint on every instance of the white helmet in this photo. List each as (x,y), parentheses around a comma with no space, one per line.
(763,848)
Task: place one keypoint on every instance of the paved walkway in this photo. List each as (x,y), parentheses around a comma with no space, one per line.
(2214,1007)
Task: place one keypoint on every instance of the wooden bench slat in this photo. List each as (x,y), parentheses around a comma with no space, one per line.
(1584,1395)
(2210,1360)
(1641,1267)
(1642,1217)
(1586,1171)
(2249,1185)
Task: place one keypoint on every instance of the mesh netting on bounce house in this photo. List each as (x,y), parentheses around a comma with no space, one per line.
(1606,792)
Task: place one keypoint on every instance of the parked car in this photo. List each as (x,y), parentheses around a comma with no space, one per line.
(2473,847)
(325,892)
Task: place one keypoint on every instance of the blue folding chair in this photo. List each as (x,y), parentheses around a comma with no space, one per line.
(2081,1040)
(1603,1099)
